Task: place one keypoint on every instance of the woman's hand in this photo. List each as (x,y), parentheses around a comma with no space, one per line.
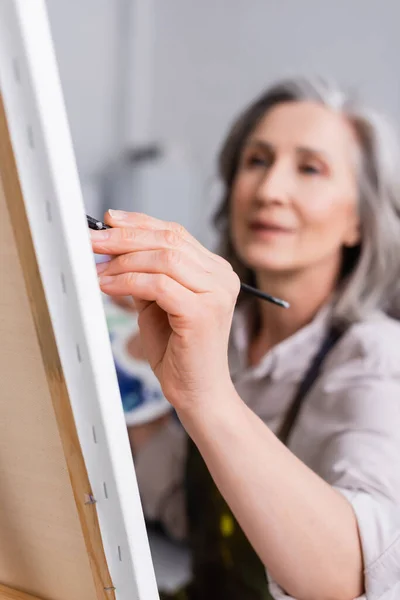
(185,297)
(125,302)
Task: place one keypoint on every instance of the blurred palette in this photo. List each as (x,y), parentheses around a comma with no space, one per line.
(141,394)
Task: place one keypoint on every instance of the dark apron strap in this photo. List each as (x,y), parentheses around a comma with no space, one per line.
(312,373)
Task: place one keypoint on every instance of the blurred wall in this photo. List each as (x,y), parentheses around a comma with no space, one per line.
(201,63)
(89,38)
(85,35)
(211,58)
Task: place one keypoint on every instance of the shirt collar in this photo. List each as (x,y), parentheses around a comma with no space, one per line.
(290,358)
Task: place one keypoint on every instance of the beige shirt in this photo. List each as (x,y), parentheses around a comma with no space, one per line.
(348,432)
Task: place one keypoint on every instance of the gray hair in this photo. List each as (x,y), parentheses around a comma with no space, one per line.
(371,271)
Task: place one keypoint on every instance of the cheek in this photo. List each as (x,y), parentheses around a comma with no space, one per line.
(328,214)
(240,204)
(326,228)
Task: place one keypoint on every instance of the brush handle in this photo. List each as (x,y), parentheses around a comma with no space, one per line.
(259,294)
(96,224)
(99,225)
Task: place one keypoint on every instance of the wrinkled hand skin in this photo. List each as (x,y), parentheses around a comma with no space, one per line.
(185,296)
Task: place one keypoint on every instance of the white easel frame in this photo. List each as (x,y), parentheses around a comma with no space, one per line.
(49,180)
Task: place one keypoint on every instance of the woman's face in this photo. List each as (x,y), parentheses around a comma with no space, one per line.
(294,198)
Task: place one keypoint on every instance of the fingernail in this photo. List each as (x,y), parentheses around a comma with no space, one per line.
(105,279)
(104,234)
(101,267)
(118,215)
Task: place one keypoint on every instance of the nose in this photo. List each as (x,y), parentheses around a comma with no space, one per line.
(276,185)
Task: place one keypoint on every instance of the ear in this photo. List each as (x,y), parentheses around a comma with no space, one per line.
(352,235)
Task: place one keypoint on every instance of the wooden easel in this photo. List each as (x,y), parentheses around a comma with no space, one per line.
(60,539)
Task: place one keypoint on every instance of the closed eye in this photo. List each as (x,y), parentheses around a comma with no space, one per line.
(310,170)
(256,161)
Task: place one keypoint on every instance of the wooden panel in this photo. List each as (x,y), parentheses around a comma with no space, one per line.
(10,594)
(50,543)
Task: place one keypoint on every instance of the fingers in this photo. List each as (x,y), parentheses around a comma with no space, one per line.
(173,263)
(116,218)
(172,297)
(120,241)
(151,255)
(125,302)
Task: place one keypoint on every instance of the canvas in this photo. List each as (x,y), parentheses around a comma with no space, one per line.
(71,522)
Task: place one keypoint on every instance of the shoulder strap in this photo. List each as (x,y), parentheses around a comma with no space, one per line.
(330,340)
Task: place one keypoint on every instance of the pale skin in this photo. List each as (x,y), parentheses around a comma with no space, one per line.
(297,172)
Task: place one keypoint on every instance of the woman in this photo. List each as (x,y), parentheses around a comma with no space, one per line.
(311,215)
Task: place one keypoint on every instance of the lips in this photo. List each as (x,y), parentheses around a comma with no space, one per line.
(265,226)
